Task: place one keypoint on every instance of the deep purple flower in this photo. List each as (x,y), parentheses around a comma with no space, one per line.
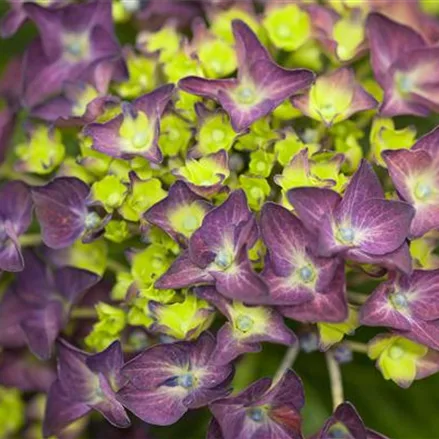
(246,328)
(346,423)
(264,410)
(408,304)
(167,380)
(85,382)
(362,226)
(22,370)
(415,175)
(180,213)
(292,271)
(217,254)
(261,84)
(403,63)
(15,219)
(73,41)
(61,210)
(37,306)
(135,132)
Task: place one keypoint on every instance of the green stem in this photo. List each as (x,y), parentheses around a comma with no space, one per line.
(10,174)
(287,362)
(358,298)
(30,240)
(116,266)
(83,313)
(335,379)
(355,346)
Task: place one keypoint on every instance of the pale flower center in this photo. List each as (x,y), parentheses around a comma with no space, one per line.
(187,381)
(190,223)
(423,191)
(218,135)
(306,274)
(396,352)
(244,323)
(399,300)
(347,234)
(256,414)
(92,220)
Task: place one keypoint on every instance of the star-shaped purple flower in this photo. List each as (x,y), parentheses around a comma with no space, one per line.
(408,304)
(167,380)
(85,382)
(218,254)
(261,84)
(264,410)
(362,226)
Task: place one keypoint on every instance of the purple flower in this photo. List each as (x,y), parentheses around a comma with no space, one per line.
(61,210)
(85,382)
(167,380)
(217,254)
(409,304)
(264,410)
(180,213)
(37,307)
(74,41)
(135,132)
(346,423)
(362,226)
(15,219)
(403,63)
(292,271)
(246,328)
(415,175)
(261,84)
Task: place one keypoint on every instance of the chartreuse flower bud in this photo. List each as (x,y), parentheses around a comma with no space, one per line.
(286,148)
(91,256)
(142,76)
(142,196)
(331,333)
(288,27)
(175,135)
(260,135)
(141,167)
(42,153)
(120,169)
(157,236)
(111,322)
(139,314)
(221,24)
(109,192)
(123,282)
(422,252)
(12,412)
(397,357)
(217,58)
(309,55)
(166,42)
(117,231)
(383,135)
(136,131)
(185,104)
(184,320)
(326,166)
(71,168)
(346,135)
(180,66)
(261,163)
(348,33)
(215,133)
(257,190)
(430,7)
(95,162)
(286,111)
(149,264)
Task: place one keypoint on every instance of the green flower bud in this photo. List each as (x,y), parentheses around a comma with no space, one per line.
(180,66)
(217,58)
(110,192)
(91,256)
(214,134)
(93,161)
(309,55)
(348,34)
(286,111)
(286,148)
(149,264)
(166,41)
(120,288)
(260,135)
(257,190)
(261,163)
(117,231)
(42,153)
(175,135)
(12,412)
(71,168)
(185,105)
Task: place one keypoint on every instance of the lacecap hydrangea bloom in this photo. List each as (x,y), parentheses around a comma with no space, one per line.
(193,194)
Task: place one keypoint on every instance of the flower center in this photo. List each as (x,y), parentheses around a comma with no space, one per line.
(347,234)
(306,274)
(92,220)
(256,193)
(173,135)
(256,414)
(140,139)
(338,431)
(399,300)
(186,380)
(76,46)
(223,260)
(131,5)
(283,31)
(244,323)
(396,352)
(190,223)
(218,135)
(246,95)
(423,191)
(404,84)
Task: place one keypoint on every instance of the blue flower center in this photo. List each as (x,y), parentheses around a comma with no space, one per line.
(256,414)
(187,380)
(244,323)
(347,234)
(223,260)
(404,84)
(92,220)
(338,431)
(423,191)
(306,274)
(399,300)
(246,95)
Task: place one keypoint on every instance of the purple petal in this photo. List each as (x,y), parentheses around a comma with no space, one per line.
(61,210)
(108,362)
(154,103)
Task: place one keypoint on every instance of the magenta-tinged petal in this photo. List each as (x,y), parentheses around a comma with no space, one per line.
(388,41)
(11,258)
(424,303)
(184,273)
(312,204)
(61,411)
(209,88)
(108,362)
(61,210)
(154,103)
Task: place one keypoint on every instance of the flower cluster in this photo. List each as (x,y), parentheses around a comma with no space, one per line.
(231,176)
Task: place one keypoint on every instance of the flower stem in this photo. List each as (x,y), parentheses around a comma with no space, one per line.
(30,240)
(335,379)
(358,298)
(83,313)
(286,363)
(357,347)
(116,266)
(10,174)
